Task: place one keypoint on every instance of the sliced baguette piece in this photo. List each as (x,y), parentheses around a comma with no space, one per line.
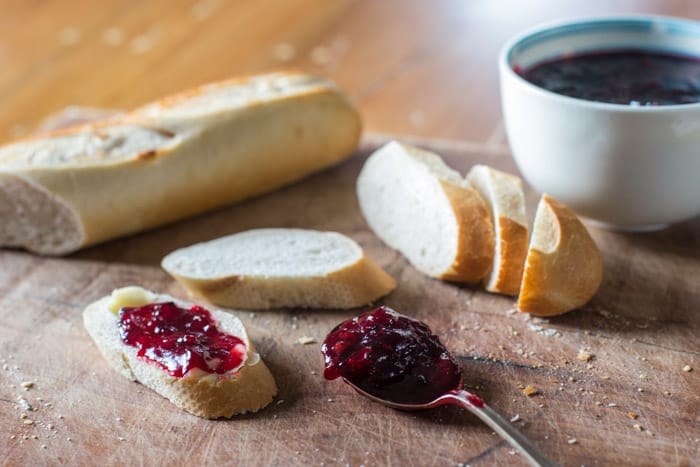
(419,206)
(275,268)
(505,198)
(246,389)
(564,267)
(180,156)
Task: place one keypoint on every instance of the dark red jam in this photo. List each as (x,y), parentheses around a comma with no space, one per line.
(629,77)
(179,340)
(392,357)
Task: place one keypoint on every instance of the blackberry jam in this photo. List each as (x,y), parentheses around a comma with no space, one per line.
(392,357)
(628,77)
(179,340)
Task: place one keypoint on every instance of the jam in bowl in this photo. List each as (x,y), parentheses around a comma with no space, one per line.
(604,115)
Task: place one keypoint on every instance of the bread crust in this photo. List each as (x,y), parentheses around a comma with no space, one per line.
(355,285)
(513,239)
(568,274)
(249,389)
(208,155)
(475,245)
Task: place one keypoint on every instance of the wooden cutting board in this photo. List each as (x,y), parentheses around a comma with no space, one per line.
(632,403)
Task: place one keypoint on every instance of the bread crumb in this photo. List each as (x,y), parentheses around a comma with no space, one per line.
(304,340)
(687,369)
(284,52)
(70,36)
(632,415)
(638,427)
(640,389)
(113,37)
(143,43)
(530,390)
(572,441)
(515,418)
(643,377)
(120,438)
(203,9)
(330,400)
(28,422)
(22,416)
(598,403)
(612,404)
(43,446)
(27,384)
(584,355)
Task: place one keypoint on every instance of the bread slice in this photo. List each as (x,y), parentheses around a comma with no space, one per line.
(246,389)
(188,153)
(274,268)
(506,200)
(419,206)
(564,267)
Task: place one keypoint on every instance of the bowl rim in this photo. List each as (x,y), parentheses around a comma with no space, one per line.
(505,68)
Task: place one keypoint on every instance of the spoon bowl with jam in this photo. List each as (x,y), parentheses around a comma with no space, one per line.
(397,361)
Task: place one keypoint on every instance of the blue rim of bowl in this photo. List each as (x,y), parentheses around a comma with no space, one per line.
(637,23)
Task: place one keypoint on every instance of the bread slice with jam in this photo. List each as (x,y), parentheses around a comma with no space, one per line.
(201,360)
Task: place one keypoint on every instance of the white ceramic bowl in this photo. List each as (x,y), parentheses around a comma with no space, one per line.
(631,168)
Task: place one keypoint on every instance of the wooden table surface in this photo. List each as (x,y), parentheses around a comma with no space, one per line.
(424,69)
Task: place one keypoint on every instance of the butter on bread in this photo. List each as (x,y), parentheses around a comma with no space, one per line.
(247,389)
(185,154)
(564,267)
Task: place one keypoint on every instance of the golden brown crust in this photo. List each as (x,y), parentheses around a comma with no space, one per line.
(475,246)
(261,146)
(513,246)
(355,285)
(568,275)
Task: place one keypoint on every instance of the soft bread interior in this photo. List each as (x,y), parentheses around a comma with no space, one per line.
(402,199)
(93,146)
(24,207)
(546,231)
(271,253)
(273,268)
(505,199)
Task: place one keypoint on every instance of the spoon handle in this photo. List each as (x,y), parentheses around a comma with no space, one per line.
(501,426)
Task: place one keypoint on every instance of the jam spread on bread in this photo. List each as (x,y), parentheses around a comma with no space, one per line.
(179,340)
(391,356)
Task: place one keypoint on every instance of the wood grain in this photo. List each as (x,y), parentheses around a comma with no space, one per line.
(641,328)
(413,68)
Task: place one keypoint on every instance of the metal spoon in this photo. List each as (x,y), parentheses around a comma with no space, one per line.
(475,405)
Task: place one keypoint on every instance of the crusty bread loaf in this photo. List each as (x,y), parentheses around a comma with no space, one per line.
(506,200)
(274,268)
(247,389)
(564,268)
(427,211)
(185,154)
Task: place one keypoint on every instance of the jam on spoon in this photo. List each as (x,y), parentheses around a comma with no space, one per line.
(397,361)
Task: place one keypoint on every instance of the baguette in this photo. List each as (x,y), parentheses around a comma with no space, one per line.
(273,268)
(183,155)
(564,267)
(419,206)
(506,200)
(247,388)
